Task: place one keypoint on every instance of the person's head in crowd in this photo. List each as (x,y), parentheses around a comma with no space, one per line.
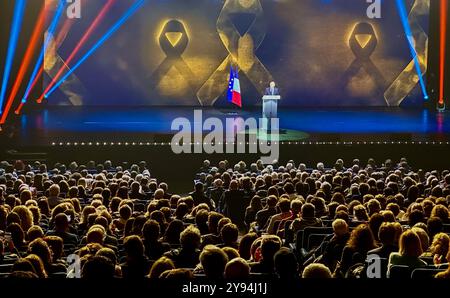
(340,227)
(375,222)
(286,264)
(245,245)
(40,248)
(190,238)
(96,234)
(237,269)
(440,247)
(179,274)
(151,231)
(17,235)
(434,226)
(134,248)
(229,234)
(37,264)
(316,271)
(213,222)
(409,244)
(161,265)
(26,217)
(213,261)
(173,231)
(56,245)
(442,212)
(34,232)
(231,252)
(361,239)
(308,210)
(270,244)
(98,267)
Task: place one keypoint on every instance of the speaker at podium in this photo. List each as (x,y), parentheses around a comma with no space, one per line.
(270,105)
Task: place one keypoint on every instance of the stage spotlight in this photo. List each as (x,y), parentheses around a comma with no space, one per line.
(130,12)
(38,70)
(19,10)
(410,38)
(35,37)
(80,44)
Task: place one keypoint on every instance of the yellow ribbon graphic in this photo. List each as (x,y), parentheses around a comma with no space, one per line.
(408,78)
(173,41)
(241,44)
(363,42)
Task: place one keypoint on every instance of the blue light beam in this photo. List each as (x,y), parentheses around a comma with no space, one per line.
(50,33)
(129,13)
(19,10)
(410,38)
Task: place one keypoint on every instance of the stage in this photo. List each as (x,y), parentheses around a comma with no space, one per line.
(153,124)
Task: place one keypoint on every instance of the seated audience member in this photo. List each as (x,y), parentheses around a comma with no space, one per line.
(269,246)
(161,265)
(154,248)
(229,235)
(199,197)
(409,252)
(179,274)
(62,230)
(234,203)
(284,209)
(136,265)
(40,248)
(388,235)
(445,274)
(98,267)
(250,212)
(213,261)
(361,241)
(188,255)
(263,216)
(439,248)
(237,269)
(245,245)
(53,196)
(286,264)
(213,237)
(307,219)
(333,250)
(317,271)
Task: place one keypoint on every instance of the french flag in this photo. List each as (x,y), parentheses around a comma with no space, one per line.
(234,88)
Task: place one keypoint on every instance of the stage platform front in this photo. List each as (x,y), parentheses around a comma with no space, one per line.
(153,124)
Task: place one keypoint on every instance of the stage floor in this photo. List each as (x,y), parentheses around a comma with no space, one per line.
(145,124)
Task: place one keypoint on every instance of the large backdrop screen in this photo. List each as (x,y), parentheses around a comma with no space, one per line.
(179,52)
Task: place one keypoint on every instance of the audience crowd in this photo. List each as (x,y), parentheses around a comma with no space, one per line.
(240,221)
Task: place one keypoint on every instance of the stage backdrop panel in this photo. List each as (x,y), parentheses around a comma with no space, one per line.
(179,52)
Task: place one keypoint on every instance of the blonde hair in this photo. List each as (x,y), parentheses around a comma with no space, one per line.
(410,244)
(161,265)
(26,217)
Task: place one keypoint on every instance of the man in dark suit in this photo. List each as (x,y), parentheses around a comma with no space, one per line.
(272,90)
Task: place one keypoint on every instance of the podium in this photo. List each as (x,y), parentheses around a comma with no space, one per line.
(270,109)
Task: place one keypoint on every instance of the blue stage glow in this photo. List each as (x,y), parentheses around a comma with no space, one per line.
(50,33)
(19,10)
(130,12)
(410,38)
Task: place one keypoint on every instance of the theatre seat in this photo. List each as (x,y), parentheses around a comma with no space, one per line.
(425,273)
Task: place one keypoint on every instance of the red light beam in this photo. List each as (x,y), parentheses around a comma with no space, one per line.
(80,44)
(34,41)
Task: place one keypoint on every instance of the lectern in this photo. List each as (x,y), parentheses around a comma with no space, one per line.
(270,109)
